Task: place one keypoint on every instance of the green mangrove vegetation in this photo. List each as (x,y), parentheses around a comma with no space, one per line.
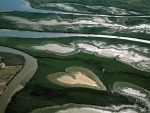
(40,92)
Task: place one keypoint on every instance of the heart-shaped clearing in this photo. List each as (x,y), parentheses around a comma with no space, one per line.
(77,77)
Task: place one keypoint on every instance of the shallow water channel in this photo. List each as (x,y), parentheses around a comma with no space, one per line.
(33,34)
(21,78)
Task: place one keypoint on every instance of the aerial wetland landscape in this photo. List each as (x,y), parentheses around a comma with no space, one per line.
(74,56)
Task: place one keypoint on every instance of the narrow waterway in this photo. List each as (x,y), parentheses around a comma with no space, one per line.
(33,34)
(21,78)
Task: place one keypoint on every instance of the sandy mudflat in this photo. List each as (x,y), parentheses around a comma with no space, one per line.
(133,92)
(55,48)
(143,65)
(93,110)
(121,52)
(79,79)
(64,6)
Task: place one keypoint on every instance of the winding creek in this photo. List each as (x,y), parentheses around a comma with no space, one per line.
(27,72)
(21,78)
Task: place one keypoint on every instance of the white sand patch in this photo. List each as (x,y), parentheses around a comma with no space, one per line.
(105,22)
(88,48)
(122,52)
(53,22)
(143,65)
(142,49)
(113,10)
(117,11)
(133,92)
(82,110)
(55,48)
(112,51)
(128,111)
(59,5)
(93,110)
(85,22)
(98,43)
(66,7)
(130,57)
(109,52)
(78,79)
(68,22)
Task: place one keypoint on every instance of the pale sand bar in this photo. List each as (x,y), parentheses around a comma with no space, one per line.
(93,110)
(79,79)
(133,92)
(55,48)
